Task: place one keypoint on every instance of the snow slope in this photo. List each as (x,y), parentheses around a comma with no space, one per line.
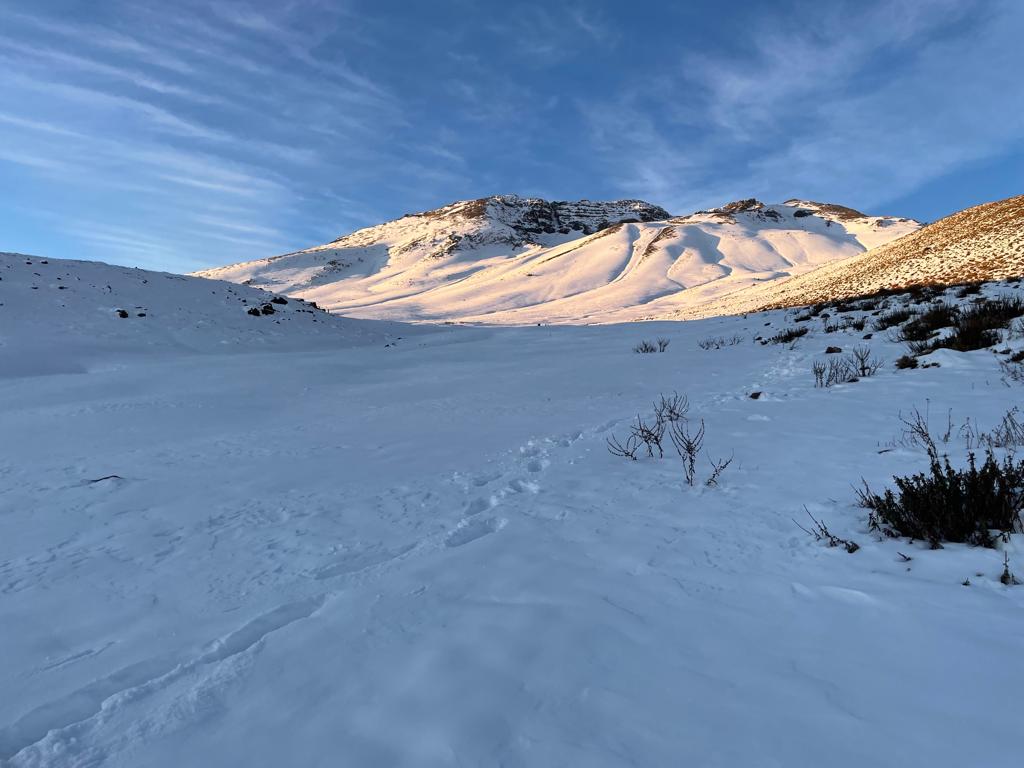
(62,316)
(985,242)
(422,554)
(509,260)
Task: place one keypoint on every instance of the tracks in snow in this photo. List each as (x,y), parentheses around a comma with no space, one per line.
(59,732)
(55,728)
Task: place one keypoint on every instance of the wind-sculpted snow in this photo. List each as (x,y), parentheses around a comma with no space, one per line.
(508,260)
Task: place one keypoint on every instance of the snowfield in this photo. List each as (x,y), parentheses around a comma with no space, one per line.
(374,545)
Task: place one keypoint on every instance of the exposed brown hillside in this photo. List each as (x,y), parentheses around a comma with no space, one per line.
(985,242)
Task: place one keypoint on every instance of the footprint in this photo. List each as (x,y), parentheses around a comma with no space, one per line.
(476,506)
(566,441)
(471,530)
(522,486)
(485,479)
(537,465)
(71,712)
(360,561)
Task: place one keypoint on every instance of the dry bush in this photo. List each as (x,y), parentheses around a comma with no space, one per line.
(928,323)
(688,445)
(947,504)
(820,532)
(847,369)
(671,408)
(786,336)
(669,417)
(862,362)
(906,361)
(717,342)
(897,316)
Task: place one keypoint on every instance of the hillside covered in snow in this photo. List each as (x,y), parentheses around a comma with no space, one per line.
(236,539)
(982,243)
(511,260)
(61,316)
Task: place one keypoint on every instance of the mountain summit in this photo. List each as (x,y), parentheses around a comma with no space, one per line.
(509,259)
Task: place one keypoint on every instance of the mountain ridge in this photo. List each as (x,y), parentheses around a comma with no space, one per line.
(511,260)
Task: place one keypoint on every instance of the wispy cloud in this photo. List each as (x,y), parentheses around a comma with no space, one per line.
(546,34)
(218,129)
(194,104)
(97,37)
(31,160)
(874,103)
(46,57)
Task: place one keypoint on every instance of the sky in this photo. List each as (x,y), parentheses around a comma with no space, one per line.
(179,135)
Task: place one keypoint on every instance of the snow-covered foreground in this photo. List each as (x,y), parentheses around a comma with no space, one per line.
(423,555)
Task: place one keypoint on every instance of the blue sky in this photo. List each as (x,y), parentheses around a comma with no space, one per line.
(178,134)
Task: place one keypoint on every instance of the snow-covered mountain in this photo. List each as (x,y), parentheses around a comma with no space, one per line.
(513,260)
(985,242)
(61,316)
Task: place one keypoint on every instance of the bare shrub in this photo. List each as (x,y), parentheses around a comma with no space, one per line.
(1009,433)
(1007,577)
(627,450)
(862,362)
(1012,370)
(669,416)
(650,434)
(688,445)
(647,347)
(820,532)
(833,370)
(818,368)
(917,431)
(717,342)
(717,468)
(671,408)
